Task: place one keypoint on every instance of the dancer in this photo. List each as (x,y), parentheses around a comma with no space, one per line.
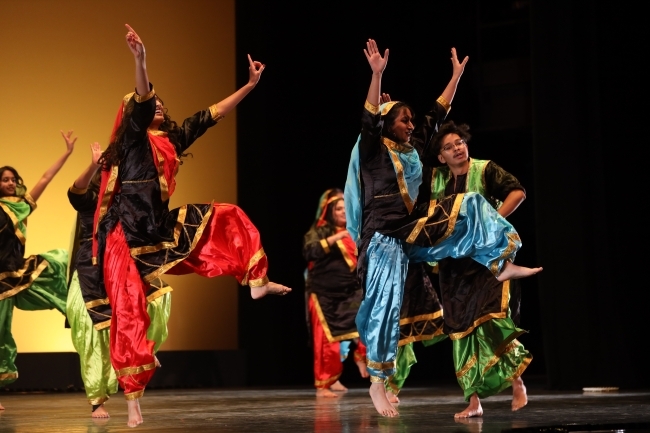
(29,283)
(88,308)
(333,294)
(137,238)
(384,177)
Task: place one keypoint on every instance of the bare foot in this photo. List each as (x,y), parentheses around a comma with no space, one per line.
(324,392)
(362,368)
(100,412)
(512,272)
(338,386)
(474,408)
(392,398)
(2,407)
(135,416)
(519,396)
(269,288)
(155,359)
(380,401)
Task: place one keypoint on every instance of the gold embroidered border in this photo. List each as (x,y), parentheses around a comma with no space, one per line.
(325,245)
(197,236)
(393,387)
(380,365)
(162,180)
(326,328)
(158,293)
(108,192)
(97,302)
(143,98)
(377,379)
(345,254)
(512,238)
(421,222)
(103,325)
(98,401)
(133,395)
(505,301)
(402,182)
(420,318)
(421,337)
(14,222)
(451,224)
(445,104)
(180,220)
(6,376)
(395,146)
(252,262)
(134,370)
(258,282)
(467,367)
(522,367)
(327,382)
(373,109)
(387,107)
(34,275)
(79,191)
(216,116)
(30,201)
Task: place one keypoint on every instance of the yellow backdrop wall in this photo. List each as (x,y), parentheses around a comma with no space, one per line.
(65,65)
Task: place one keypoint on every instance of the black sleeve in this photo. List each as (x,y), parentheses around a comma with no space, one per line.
(195,126)
(314,245)
(499,183)
(82,201)
(370,134)
(144,109)
(421,138)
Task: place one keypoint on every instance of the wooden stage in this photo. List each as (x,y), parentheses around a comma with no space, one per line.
(298,410)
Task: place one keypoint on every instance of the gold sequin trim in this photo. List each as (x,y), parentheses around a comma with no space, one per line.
(135,370)
(78,191)
(158,293)
(143,98)
(34,275)
(108,192)
(325,245)
(401,181)
(6,376)
(393,387)
(377,379)
(445,104)
(463,371)
(178,227)
(326,328)
(30,201)
(420,318)
(387,107)
(258,282)
(252,262)
(381,365)
(345,254)
(102,325)
(216,116)
(97,401)
(134,395)
(96,302)
(372,109)
(512,238)
(522,367)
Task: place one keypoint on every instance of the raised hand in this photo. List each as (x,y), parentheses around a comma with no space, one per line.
(135,43)
(376,61)
(96,153)
(255,70)
(385,97)
(458,67)
(69,141)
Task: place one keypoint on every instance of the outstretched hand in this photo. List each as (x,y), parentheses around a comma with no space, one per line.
(69,141)
(135,43)
(385,97)
(458,67)
(255,70)
(96,153)
(376,61)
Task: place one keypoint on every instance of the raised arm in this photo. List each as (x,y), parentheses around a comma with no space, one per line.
(377,64)
(137,48)
(82,182)
(47,177)
(457,71)
(255,70)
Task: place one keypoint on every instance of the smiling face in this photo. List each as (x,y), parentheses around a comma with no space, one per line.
(453,150)
(7,184)
(159,117)
(338,214)
(402,127)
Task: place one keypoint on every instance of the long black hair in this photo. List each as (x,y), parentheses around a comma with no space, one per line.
(20,186)
(392,115)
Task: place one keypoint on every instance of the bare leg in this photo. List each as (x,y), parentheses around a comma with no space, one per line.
(378,396)
(361,364)
(324,392)
(100,412)
(338,386)
(2,407)
(474,408)
(392,398)
(511,271)
(519,396)
(135,416)
(269,288)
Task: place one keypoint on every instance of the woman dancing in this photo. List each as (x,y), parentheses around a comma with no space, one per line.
(137,238)
(384,178)
(37,282)
(88,308)
(333,294)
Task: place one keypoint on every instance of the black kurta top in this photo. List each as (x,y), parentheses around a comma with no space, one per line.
(334,283)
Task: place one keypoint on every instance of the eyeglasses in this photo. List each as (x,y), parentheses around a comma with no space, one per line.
(451,146)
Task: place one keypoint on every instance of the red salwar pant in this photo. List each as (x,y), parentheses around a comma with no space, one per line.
(328,364)
(229,245)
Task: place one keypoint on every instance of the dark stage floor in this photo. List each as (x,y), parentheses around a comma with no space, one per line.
(297,410)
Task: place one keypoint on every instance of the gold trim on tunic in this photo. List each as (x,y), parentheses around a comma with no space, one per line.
(345,254)
(103,325)
(372,109)
(467,367)
(162,180)
(505,301)
(325,245)
(108,192)
(421,337)
(78,191)
(180,220)
(421,317)
(421,222)
(143,98)
(158,293)
(34,275)
(401,181)
(134,370)
(387,107)
(14,222)
(134,395)
(445,104)
(326,328)
(216,116)
(97,302)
